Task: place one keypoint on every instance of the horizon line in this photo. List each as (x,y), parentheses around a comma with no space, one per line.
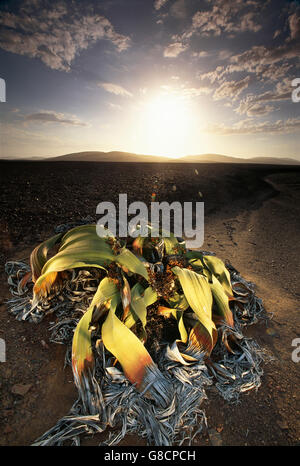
(173,158)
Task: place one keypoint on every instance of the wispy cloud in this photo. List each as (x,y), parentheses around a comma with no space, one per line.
(45,117)
(259,104)
(264,60)
(265,66)
(251,108)
(55,32)
(173,50)
(179,9)
(115,89)
(186,92)
(218,17)
(158,4)
(114,106)
(231,89)
(248,126)
(229,17)
(294,24)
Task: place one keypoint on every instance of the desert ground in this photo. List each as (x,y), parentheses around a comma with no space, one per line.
(252,219)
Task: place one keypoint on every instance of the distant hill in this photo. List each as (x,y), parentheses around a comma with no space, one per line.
(281,161)
(216,158)
(116,156)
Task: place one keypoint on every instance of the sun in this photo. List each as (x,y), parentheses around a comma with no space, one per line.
(165,124)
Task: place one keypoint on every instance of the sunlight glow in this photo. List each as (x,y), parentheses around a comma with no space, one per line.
(165,125)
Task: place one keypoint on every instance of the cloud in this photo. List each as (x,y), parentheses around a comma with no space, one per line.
(222,16)
(294,24)
(251,108)
(224,54)
(214,75)
(53,117)
(282,91)
(260,59)
(248,126)
(269,64)
(252,104)
(56,32)
(114,106)
(277,33)
(231,89)
(258,105)
(259,110)
(229,17)
(158,4)
(226,16)
(186,92)
(11,134)
(178,9)
(268,72)
(115,89)
(173,50)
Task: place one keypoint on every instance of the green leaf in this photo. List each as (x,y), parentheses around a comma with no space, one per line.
(82,354)
(171,245)
(217,267)
(138,309)
(127,348)
(38,257)
(80,247)
(150,296)
(178,305)
(181,327)
(198,294)
(128,261)
(191,254)
(222,302)
(140,299)
(178,301)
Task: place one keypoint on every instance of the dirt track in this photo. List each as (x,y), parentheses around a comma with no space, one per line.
(251,218)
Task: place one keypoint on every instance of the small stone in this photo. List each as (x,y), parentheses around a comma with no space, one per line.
(21,389)
(44,344)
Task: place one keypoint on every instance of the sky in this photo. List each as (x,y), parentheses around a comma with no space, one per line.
(159,77)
